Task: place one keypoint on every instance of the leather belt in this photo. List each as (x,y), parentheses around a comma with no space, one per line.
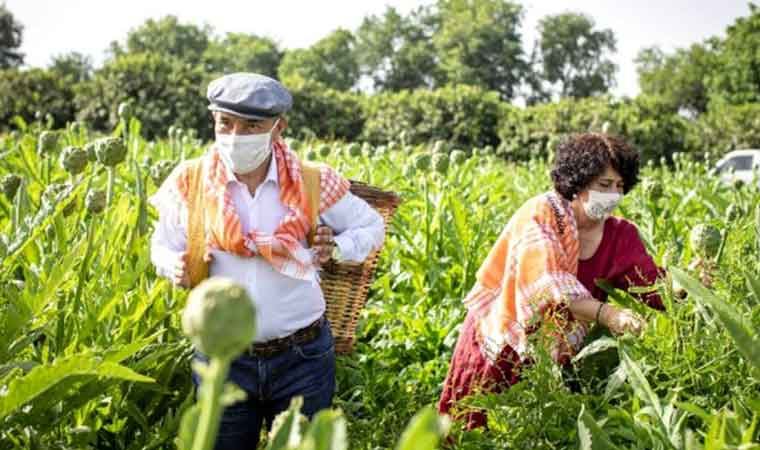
(279,345)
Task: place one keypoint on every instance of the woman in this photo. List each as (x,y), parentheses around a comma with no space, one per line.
(540,275)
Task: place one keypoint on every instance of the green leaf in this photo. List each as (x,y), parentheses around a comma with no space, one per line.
(640,384)
(591,435)
(326,432)
(424,431)
(24,390)
(753,284)
(286,429)
(747,342)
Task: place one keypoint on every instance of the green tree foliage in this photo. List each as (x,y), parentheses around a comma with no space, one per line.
(167,36)
(74,66)
(25,93)
(241,52)
(164,90)
(479,43)
(464,115)
(681,79)
(574,56)
(397,51)
(321,111)
(737,79)
(11,32)
(330,61)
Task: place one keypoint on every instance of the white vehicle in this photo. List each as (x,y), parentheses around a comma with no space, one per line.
(739,165)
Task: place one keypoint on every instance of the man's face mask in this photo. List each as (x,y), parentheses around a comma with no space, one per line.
(245,153)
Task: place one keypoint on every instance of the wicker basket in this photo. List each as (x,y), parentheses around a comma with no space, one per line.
(345,285)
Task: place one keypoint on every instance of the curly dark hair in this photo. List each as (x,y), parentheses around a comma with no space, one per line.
(581,158)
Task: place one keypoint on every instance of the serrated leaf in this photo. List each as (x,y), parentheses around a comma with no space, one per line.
(591,435)
(423,432)
(640,384)
(23,390)
(747,342)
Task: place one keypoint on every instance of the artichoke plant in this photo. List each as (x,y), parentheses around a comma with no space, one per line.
(311,155)
(705,240)
(354,150)
(95,202)
(733,212)
(110,151)
(161,170)
(125,111)
(10,184)
(422,162)
(54,193)
(440,163)
(652,190)
(47,142)
(74,160)
(90,149)
(220,320)
(458,157)
(324,150)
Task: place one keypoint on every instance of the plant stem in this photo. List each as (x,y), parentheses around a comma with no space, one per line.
(210,402)
(109,193)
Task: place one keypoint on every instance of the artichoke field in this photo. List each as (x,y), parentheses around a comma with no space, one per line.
(93,353)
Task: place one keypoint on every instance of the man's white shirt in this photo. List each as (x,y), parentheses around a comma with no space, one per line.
(283,304)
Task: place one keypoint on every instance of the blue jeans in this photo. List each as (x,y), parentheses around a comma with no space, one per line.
(307,370)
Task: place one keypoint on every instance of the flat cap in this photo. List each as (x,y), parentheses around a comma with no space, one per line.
(249,95)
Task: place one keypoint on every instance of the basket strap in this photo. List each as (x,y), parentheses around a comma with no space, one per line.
(197,267)
(311,174)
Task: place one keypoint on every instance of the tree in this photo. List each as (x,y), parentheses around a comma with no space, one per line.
(10,39)
(574,56)
(330,61)
(28,92)
(738,80)
(166,36)
(165,91)
(74,66)
(397,51)
(241,52)
(680,80)
(478,43)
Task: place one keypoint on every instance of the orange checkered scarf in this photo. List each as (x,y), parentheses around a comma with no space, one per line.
(283,249)
(529,277)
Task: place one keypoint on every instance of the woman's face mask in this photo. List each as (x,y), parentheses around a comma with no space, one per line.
(599,205)
(245,153)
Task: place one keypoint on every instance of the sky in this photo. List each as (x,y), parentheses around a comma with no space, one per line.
(54,27)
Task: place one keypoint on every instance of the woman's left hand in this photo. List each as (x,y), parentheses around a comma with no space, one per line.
(324,243)
(621,321)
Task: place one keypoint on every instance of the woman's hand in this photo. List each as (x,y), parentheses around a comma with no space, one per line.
(621,321)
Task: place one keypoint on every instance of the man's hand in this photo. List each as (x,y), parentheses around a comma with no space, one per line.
(181,275)
(324,243)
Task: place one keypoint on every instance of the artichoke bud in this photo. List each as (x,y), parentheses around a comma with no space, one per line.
(219,318)
(705,240)
(422,161)
(10,184)
(324,150)
(733,212)
(441,163)
(458,157)
(110,151)
(368,150)
(125,111)
(440,147)
(47,142)
(160,171)
(311,155)
(653,190)
(354,150)
(95,202)
(74,159)
(55,193)
(409,170)
(294,144)
(90,149)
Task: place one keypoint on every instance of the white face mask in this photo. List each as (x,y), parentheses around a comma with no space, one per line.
(244,153)
(600,205)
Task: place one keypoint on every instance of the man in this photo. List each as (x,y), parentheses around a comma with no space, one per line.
(255,223)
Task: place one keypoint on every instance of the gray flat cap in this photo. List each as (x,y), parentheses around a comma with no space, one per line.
(249,95)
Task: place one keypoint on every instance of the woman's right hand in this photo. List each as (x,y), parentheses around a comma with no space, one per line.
(621,321)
